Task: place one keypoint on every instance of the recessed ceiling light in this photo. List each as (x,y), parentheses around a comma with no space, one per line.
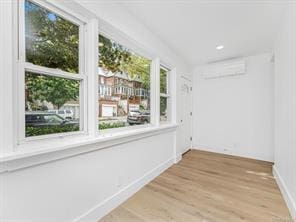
(219,47)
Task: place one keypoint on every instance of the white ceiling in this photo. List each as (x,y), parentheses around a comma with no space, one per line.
(193,29)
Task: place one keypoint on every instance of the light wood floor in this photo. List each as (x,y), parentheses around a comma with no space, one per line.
(207,187)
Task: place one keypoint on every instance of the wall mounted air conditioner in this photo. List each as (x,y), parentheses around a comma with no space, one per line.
(224,69)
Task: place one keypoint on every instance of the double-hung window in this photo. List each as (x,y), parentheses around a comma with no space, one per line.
(164,94)
(124,93)
(51,72)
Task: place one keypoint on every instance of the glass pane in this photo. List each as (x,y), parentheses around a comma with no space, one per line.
(123,86)
(51,41)
(163,80)
(163,109)
(47,99)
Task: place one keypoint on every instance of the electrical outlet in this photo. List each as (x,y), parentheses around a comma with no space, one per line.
(235,145)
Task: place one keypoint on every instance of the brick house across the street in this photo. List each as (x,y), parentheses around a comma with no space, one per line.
(119,93)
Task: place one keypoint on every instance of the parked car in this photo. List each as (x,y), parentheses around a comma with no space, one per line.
(66,114)
(138,117)
(47,119)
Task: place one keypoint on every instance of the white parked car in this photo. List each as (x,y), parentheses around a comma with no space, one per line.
(66,114)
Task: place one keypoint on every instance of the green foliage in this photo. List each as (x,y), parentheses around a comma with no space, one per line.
(116,58)
(138,66)
(163,80)
(163,105)
(163,89)
(51,89)
(105,125)
(142,107)
(112,54)
(51,41)
(38,131)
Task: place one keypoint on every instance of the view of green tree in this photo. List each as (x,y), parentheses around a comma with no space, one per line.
(163,89)
(51,89)
(112,55)
(51,41)
(138,66)
(163,80)
(163,106)
(116,58)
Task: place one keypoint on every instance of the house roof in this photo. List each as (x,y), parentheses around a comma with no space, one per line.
(122,75)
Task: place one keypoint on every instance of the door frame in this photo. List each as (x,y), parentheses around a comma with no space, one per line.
(190,83)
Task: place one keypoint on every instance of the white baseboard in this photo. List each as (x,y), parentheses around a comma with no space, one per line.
(285,192)
(229,152)
(178,158)
(106,206)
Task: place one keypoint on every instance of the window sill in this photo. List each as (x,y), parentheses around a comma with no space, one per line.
(27,155)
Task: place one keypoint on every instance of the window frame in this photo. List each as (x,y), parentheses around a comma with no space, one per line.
(166,95)
(23,66)
(73,143)
(115,35)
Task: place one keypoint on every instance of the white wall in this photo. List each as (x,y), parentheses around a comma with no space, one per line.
(66,189)
(234,115)
(285,108)
(87,186)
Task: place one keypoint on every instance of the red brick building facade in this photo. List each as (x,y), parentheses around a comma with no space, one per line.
(119,93)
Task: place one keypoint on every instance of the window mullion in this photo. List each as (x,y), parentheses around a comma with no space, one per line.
(21,101)
(173,100)
(164,95)
(155,91)
(52,72)
(83,94)
(91,64)
(20,75)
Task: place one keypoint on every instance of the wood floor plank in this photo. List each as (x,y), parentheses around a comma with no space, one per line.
(123,215)
(207,187)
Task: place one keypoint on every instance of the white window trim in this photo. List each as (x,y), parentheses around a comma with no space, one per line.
(167,94)
(154,92)
(24,66)
(58,8)
(33,155)
(53,72)
(91,66)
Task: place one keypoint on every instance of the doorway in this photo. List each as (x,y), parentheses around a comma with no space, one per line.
(185,114)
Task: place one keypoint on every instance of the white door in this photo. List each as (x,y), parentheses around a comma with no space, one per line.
(186,114)
(107,111)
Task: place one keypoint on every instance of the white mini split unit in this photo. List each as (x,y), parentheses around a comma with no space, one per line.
(224,69)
